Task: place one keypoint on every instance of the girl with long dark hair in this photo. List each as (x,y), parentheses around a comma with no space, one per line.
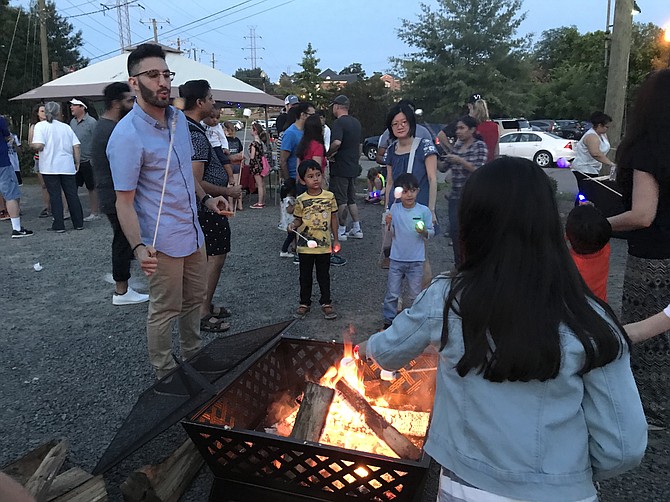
(256,154)
(643,175)
(535,398)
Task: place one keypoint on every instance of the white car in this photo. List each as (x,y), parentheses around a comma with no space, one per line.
(543,148)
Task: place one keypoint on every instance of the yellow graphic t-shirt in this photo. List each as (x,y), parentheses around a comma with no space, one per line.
(315,212)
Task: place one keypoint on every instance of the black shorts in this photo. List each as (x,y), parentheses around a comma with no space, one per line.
(217,233)
(85,175)
(344,190)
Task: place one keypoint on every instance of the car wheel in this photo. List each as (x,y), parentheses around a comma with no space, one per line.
(543,158)
(371,152)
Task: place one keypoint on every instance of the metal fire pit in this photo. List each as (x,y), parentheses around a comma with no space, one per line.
(249,464)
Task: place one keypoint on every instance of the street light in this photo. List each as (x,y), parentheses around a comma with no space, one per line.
(636,8)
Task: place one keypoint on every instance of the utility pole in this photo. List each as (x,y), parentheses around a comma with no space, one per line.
(155,22)
(213,60)
(252,47)
(43,40)
(617,74)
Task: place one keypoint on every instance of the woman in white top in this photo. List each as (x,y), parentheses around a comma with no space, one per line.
(591,150)
(59,162)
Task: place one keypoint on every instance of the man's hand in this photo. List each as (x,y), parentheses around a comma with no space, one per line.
(218,205)
(147,258)
(234,191)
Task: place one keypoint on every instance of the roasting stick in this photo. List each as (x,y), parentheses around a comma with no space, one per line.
(178,105)
(311,243)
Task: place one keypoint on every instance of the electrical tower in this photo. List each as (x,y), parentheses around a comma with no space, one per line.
(253,57)
(124,24)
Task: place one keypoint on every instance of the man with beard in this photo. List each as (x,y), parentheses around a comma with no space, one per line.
(210,172)
(145,185)
(118,102)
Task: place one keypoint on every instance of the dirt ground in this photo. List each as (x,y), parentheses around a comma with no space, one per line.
(72,365)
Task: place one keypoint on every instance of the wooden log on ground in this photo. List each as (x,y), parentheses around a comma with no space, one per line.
(313,412)
(23,468)
(93,490)
(68,481)
(165,482)
(384,430)
(40,482)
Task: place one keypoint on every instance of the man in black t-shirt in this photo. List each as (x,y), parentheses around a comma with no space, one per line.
(118,102)
(344,155)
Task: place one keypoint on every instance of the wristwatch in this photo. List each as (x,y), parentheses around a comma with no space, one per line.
(205,199)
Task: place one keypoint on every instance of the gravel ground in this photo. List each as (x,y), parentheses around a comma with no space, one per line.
(72,365)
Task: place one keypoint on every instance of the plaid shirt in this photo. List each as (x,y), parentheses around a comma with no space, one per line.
(476,155)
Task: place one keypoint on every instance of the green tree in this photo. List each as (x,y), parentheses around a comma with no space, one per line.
(354,69)
(466,46)
(308,80)
(255,77)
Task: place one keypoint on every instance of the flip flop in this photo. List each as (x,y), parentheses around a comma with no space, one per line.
(213,324)
(219,311)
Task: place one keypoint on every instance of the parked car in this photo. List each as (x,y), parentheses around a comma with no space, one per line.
(370,147)
(509,125)
(547,125)
(239,125)
(543,148)
(571,129)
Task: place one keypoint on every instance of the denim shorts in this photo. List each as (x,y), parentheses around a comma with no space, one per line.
(9,187)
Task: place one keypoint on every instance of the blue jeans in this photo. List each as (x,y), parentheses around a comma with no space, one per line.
(399,270)
(454,229)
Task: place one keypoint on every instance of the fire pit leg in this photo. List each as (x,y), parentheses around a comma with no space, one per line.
(313,412)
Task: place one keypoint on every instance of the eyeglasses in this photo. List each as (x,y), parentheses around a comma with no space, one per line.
(156,74)
(402,123)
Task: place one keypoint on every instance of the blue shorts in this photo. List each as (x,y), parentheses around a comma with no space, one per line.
(9,187)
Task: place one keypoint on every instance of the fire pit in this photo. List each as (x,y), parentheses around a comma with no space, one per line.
(240,431)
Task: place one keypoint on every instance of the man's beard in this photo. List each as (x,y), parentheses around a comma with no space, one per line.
(152,97)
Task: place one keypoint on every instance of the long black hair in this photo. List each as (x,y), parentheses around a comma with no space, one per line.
(518,283)
(646,141)
(313,130)
(405,109)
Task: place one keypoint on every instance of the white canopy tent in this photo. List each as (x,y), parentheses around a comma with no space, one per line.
(89,82)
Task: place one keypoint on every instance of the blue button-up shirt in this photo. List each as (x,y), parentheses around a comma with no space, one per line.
(137,152)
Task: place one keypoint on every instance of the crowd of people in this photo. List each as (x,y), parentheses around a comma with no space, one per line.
(541,390)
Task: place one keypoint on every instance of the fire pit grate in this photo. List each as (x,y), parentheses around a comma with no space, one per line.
(229,432)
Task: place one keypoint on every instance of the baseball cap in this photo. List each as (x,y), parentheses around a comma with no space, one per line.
(474,97)
(341,100)
(291,99)
(75,101)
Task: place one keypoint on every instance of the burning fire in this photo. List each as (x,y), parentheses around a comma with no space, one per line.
(346,427)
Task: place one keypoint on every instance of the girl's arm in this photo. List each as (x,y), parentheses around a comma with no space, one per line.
(649,327)
(290,208)
(644,206)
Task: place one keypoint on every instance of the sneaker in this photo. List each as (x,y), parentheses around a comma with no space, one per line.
(92,217)
(285,254)
(337,260)
(45,213)
(172,386)
(296,259)
(208,366)
(341,237)
(130,297)
(17,234)
(328,312)
(355,234)
(301,311)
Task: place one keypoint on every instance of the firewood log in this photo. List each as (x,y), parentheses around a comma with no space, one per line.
(313,412)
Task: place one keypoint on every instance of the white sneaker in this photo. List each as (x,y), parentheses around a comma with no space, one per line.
(355,234)
(131,297)
(92,217)
(286,254)
(341,237)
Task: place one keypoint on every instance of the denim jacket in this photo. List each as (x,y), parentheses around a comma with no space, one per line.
(541,441)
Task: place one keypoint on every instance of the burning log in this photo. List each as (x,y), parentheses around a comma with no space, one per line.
(92,490)
(313,412)
(165,482)
(384,430)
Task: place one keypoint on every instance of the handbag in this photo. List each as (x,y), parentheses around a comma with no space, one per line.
(266,166)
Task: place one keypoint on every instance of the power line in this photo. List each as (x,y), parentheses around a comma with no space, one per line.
(105,8)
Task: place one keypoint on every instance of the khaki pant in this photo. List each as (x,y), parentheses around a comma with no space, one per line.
(176,290)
